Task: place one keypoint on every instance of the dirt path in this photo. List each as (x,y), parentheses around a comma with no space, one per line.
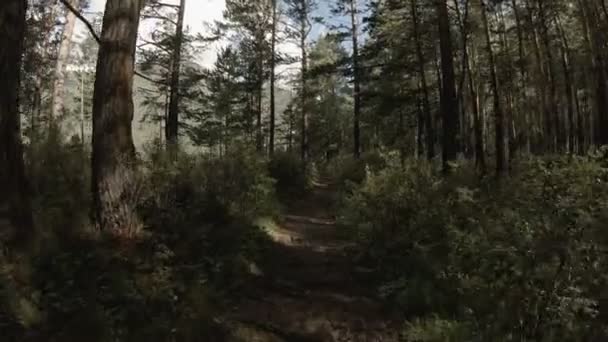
(308,290)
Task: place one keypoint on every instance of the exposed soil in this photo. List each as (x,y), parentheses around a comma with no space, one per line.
(309,289)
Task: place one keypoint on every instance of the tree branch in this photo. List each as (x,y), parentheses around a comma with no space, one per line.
(96,36)
(82,19)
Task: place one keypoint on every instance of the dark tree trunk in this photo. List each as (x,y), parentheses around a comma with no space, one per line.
(15,190)
(272,78)
(426,107)
(173,118)
(555,123)
(502,166)
(113,159)
(356,79)
(304,95)
(449,108)
(523,74)
(568,85)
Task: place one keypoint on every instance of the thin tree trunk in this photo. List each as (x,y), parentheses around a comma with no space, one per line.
(523,74)
(273,41)
(463,21)
(356,79)
(599,71)
(568,85)
(113,161)
(15,189)
(555,123)
(62,60)
(304,95)
(426,107)
(449,109)
(174,99)
(502,166)
(478,119)
(541,79)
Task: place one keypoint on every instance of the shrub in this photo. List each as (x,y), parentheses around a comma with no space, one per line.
(517,258)
(288,171)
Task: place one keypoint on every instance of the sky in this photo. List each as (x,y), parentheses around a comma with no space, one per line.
(198,12)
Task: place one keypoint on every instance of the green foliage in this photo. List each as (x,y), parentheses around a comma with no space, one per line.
(289,172)
(60,183)
(515,260)
(347,169)
(199,244)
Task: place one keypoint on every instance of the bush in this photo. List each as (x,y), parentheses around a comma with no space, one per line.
(289,174)
(517,258)
(60,179)
(348,170)
(198,246)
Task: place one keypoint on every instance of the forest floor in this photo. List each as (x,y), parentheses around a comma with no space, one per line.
(309,288)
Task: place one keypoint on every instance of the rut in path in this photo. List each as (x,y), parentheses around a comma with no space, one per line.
(308,289)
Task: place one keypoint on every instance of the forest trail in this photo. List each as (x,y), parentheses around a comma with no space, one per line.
(308,288)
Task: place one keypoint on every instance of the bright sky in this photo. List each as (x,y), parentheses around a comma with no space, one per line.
(201,12)
(198,12)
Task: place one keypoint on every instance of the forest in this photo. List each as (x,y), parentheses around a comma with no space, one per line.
(304,170)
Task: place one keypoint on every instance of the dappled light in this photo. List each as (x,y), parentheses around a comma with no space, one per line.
(303,170)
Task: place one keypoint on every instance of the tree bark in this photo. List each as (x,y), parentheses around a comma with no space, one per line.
(426,107)
(568,85)
(14,198)
(449,108)
(113,161)
(502,166)
(272,78)
(541,79)
(174,99)
(304,95)
(523,74)
(555,131)
(356,79)
(62,60)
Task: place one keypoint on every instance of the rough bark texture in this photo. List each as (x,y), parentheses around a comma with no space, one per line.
(173,117)
(113,162)
(14,196)
(62,59)
(449,107)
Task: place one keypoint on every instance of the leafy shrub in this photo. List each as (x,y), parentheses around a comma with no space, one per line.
(60,183)
(347,169)
(288,171)
(516,258)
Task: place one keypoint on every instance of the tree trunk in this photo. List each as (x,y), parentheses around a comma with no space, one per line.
(173,118)
(62,60)
(541,80)
(555,123)
(568,85)
(356,79)
(14,197)
(272,78)
(502,166)
(523,74)
(599,72)
(304,94)
(449,108)
(426,107)
(113,161)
